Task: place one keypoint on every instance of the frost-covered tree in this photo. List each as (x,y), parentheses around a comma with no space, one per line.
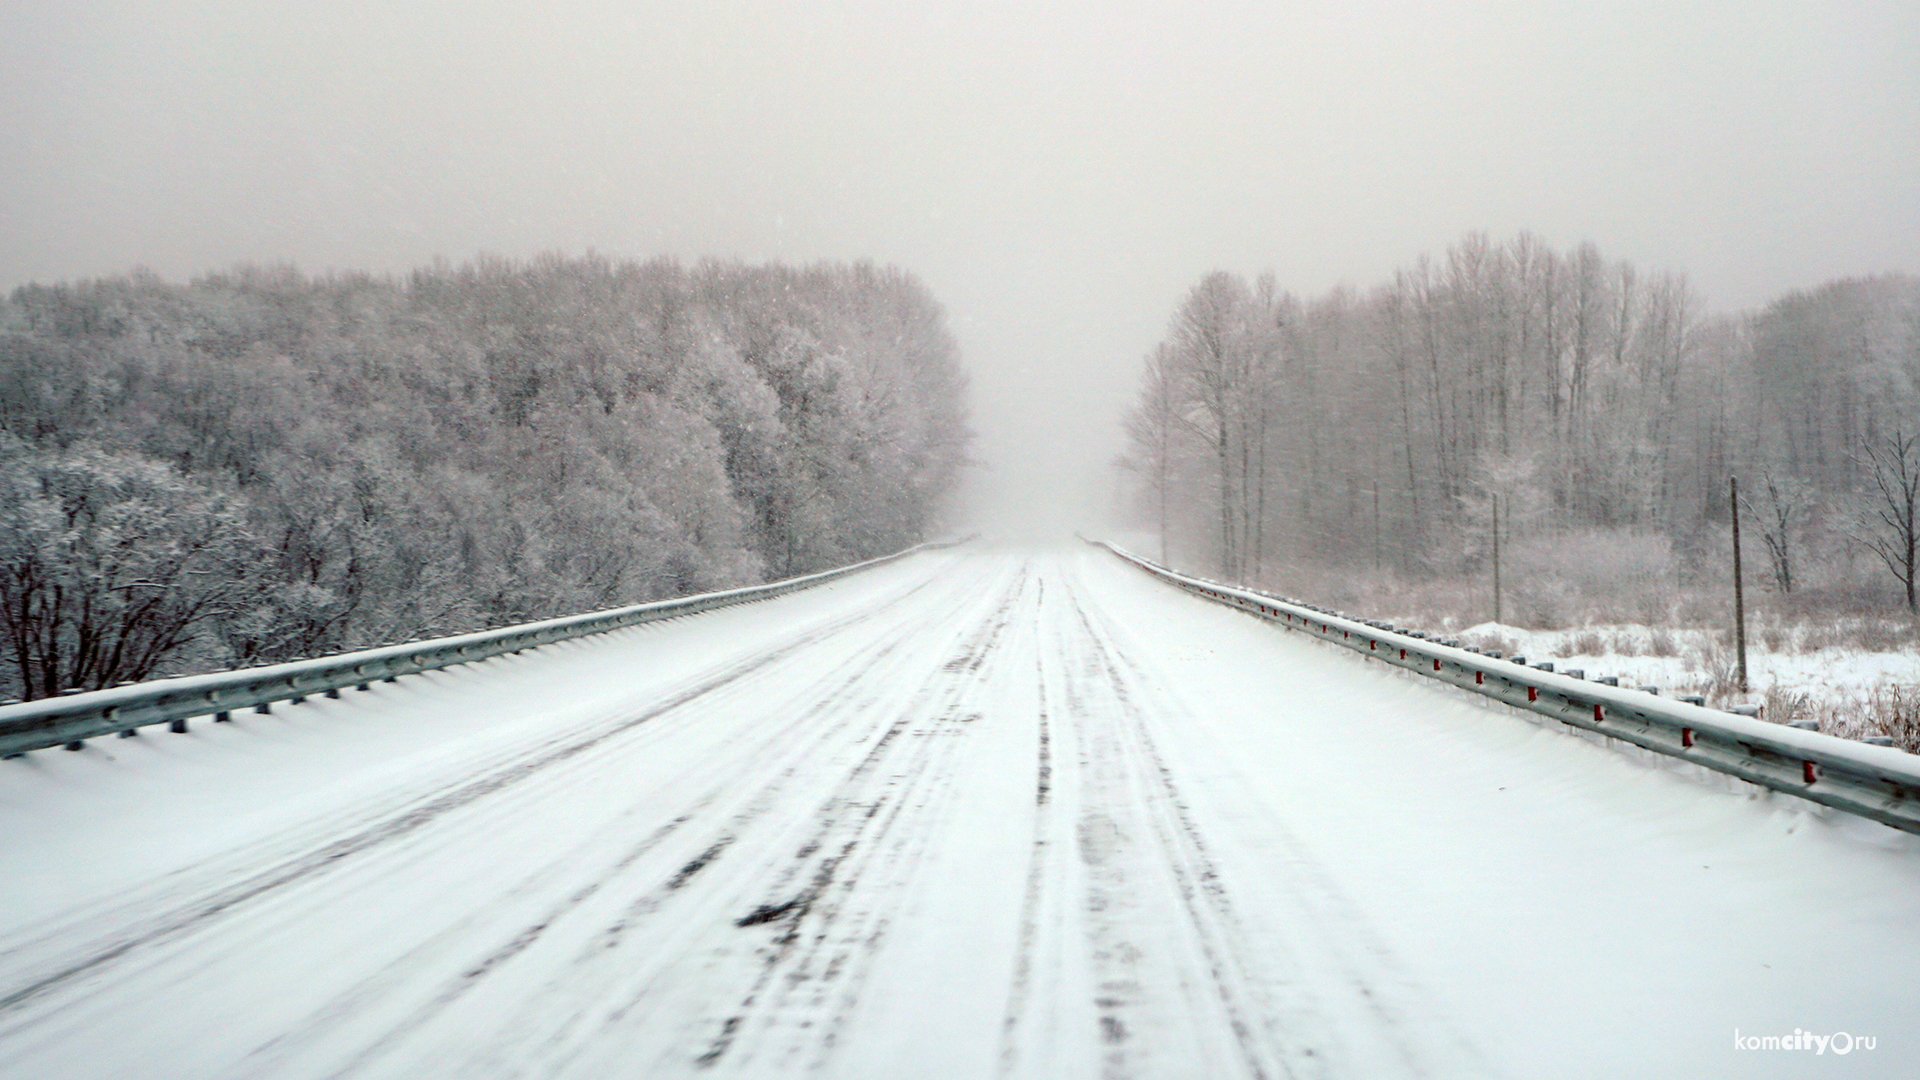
(1152,439)
(498,440)
(110,565)
(1596,399)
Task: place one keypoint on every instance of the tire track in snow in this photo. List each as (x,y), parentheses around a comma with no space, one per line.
(769,765)
(906,848)
(1323,904)
(764,773)
(1118,762)
(1037,862)
(193,914)
(590,978)
(824,937)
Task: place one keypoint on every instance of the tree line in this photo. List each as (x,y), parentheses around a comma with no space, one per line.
(261,464)
(1595,407)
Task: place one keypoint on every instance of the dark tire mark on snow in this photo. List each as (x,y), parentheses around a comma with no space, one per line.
(1043,768)
(1021,987)
(720,1042)
(767,913)
(698,863)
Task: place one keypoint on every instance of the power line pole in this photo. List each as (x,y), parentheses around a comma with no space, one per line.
(1496,558)
(1376,528)
(1739,592)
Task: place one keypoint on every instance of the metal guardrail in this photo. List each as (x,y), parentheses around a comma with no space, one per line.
(1877,782)
(70,720)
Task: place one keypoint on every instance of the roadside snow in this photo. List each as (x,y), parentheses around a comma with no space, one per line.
(991,813)
(1827,683)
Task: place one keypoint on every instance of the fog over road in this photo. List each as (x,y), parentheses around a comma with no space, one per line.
(975,813)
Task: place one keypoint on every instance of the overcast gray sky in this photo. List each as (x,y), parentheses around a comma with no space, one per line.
(1057,173)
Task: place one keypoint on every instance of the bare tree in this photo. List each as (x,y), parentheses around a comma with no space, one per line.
(1890,526)
(1209,339)
(1780,514)
(1150,434)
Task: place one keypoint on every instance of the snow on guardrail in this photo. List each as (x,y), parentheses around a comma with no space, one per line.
(70,720)
(1877,782)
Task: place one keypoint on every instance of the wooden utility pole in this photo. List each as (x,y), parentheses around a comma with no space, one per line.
(1376,528)
(1496,558)
(1739,592)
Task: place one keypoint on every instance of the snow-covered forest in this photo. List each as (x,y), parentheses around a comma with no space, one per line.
(262,465)
(1536,448)
(1593,406)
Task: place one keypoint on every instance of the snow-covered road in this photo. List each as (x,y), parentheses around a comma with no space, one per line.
(977,813)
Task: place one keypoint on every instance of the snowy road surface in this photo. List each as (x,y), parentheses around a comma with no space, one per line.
(978,813)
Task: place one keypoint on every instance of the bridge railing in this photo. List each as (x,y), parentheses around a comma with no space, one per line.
(72,719)
(1877,782)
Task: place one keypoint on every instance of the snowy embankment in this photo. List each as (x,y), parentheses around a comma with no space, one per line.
(1850,691)
(994,813)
